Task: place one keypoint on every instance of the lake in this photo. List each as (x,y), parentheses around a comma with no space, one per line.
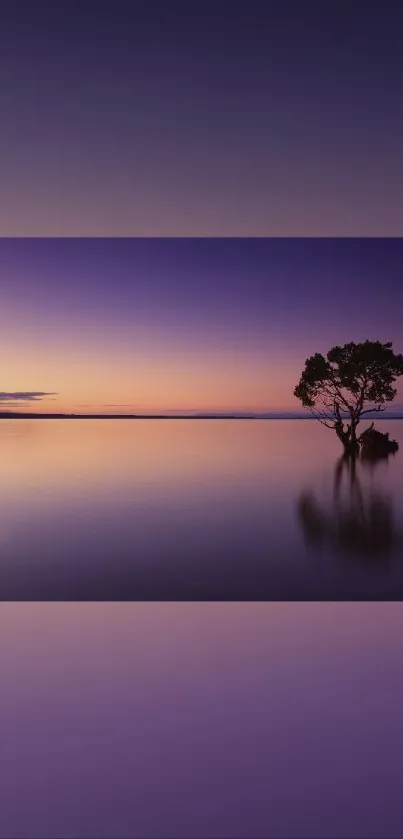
(195,510)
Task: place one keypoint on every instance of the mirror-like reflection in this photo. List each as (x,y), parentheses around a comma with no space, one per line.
(360,521)
(203,510)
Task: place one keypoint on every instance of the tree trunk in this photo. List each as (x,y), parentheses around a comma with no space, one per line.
(354,443)
(352,448)
(347,437)
(353,436)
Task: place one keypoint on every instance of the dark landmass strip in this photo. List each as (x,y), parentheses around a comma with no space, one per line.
(32,415)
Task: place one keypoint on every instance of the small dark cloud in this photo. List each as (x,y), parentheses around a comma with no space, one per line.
(24,396)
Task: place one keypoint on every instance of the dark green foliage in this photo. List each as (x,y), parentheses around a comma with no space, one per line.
(351,381)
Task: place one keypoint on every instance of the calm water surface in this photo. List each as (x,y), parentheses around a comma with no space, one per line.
(195,510)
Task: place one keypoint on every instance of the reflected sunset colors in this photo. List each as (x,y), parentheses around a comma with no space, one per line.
(196,720)
(187,510)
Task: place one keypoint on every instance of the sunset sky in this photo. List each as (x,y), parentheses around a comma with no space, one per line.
(121,325)
(201,118)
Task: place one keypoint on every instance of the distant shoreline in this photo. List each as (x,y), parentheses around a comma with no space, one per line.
(27,415)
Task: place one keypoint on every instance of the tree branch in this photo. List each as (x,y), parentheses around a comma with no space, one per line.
(323,421)
(378,410)
(338,392)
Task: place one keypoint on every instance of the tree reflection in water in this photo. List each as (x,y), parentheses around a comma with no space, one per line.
(359,523)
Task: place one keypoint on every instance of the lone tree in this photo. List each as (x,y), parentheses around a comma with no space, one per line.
(352,381)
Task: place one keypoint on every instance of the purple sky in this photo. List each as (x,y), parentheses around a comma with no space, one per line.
(201,118)
(195,118)
(186,324)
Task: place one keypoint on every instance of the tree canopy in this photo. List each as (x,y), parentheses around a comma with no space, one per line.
(353,380)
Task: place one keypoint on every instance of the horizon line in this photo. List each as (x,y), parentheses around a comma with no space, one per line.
(262,415)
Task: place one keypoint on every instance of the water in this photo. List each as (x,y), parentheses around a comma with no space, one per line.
(195,510)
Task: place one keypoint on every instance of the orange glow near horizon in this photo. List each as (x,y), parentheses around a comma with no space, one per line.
(85,384)
(124,384)
(165,325)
